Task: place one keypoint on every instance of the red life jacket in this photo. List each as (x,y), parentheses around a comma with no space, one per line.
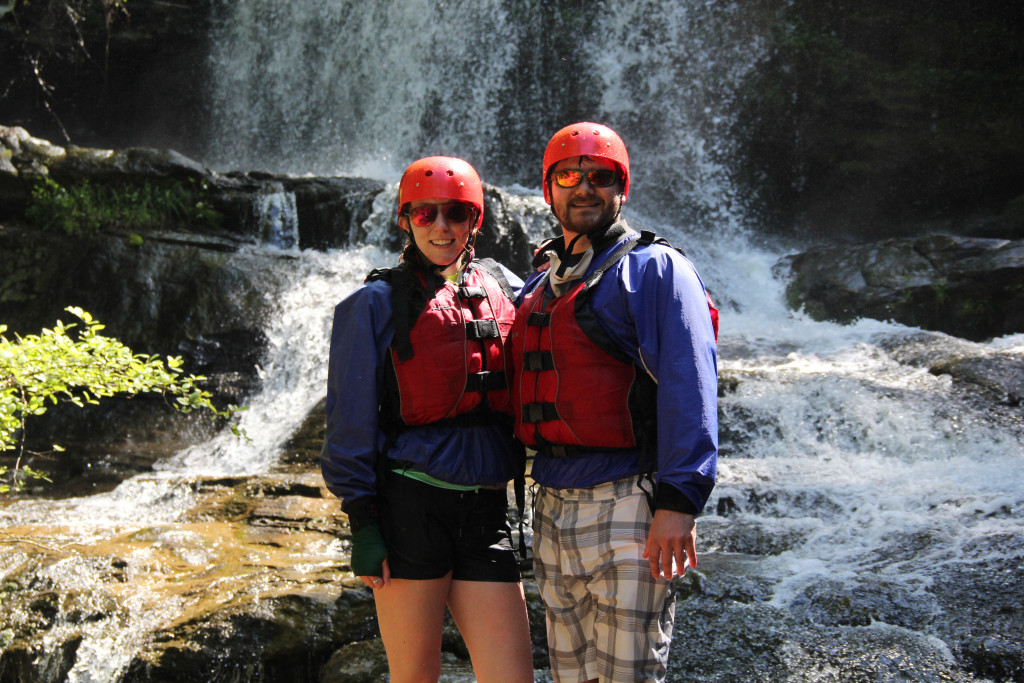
(451,361)
(568,390)
(572,387)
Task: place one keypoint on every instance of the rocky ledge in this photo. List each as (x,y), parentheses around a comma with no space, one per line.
(967,287)
(251,583)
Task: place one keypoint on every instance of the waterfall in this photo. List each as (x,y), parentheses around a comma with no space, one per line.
(277,220)
(843,472)
(363,87)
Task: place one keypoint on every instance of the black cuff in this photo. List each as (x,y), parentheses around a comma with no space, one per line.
(671,498)
(361,511)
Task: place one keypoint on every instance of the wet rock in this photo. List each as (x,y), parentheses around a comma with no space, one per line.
(718,639)
(362,662)
(20,663)
(103,165)
(269,637)
(872,599)
(968,287)
(982,606)
(998,374)
(512,229)
(252,584)
(754,538)
(302,449)
(329,211)
(740,428)
(997,656)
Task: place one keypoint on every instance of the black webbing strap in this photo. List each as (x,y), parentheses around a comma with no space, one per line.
(616,256)
(539,319)
(401,288)
(482,329)
(408,299)
(481,382)
(467,292)
(491,267)
(539,412)
(559,450)
(519,487)
(537,361)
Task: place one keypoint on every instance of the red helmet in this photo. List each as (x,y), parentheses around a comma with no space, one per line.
(442,178)
(586,139)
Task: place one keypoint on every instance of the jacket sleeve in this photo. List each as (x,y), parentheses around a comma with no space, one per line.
(675,344)
(361,333)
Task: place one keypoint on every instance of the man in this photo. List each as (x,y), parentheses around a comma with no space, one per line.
(615,384)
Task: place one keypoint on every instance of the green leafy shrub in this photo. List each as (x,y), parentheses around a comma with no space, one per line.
(38,371)
(85,208)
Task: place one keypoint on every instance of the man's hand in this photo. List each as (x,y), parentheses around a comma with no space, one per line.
(673,537)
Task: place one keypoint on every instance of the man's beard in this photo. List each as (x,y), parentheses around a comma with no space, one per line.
(586,225)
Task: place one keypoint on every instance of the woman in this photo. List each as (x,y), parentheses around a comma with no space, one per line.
(419,445)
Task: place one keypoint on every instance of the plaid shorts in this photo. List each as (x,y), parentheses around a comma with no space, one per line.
(607,617)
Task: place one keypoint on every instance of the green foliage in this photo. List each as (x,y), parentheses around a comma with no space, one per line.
(86,208)
(39,371)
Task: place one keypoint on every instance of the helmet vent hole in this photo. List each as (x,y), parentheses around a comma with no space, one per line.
(429,173)
(451,174)
(575,133)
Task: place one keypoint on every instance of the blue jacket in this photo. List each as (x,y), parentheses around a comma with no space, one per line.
(653,306)
(362,332)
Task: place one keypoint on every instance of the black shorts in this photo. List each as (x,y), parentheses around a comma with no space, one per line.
(430,531)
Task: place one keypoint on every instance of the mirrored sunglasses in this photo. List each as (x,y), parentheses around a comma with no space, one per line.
(597,177)
(454,212)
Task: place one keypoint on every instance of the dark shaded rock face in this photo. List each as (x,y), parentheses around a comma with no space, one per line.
(329,212)
(968,287)
(874,119)
(106,74)
(175,288)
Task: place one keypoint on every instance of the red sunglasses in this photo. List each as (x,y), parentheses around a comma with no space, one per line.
(454,212)
(597,177)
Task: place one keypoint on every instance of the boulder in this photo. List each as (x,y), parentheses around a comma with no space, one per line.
(967,287)
(995,374)
(325,210)
(253,207)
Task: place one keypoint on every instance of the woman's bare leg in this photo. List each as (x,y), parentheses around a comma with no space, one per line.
(491,617)
(411,618)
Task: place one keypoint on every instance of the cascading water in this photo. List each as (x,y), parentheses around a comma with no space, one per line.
(364,88)
(277,218)
(857,495)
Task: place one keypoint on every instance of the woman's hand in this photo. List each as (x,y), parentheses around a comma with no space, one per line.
(369,556)
(379,581)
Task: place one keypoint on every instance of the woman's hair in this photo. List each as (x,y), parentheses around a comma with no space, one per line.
(411,257)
